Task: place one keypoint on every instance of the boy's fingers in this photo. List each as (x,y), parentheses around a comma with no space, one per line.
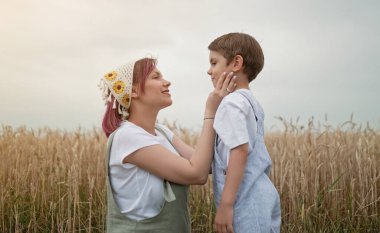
(225,229)
(230,229)
(220,228)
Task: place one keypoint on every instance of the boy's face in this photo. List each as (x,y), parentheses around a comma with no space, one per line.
(218,65)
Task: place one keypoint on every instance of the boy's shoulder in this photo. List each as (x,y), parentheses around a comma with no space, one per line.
(238,98)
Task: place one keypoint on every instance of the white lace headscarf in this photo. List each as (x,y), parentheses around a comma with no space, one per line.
(118,83)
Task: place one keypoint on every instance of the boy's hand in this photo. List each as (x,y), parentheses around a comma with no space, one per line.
(224,218)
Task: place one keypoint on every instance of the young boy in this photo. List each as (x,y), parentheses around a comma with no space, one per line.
(246,199)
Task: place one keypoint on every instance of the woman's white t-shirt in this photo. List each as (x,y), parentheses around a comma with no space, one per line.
(138,193)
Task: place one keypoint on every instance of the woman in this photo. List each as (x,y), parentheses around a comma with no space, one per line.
(149,168)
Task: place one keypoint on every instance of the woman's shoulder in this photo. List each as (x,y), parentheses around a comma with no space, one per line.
(128,129)
(126,126)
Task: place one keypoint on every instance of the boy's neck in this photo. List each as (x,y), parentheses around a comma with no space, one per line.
(242,82)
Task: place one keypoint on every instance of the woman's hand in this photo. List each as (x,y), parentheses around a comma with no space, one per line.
(225,85)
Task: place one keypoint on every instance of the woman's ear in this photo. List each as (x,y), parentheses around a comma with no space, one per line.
(135,93)
(237,63)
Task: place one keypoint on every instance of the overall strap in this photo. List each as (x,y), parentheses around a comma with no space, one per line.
(159,129)
(168,192)
(254,113)
(172,218)
(250,102)
(108,150)
(114,219)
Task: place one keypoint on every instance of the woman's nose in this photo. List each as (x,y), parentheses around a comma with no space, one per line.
(167,83)
(209,71)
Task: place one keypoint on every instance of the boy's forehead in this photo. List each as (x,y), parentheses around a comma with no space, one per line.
(215,55)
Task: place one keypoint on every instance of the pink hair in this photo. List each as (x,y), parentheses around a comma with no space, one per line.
(112,119)
(141,71)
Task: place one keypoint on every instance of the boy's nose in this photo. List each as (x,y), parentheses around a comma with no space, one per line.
(209,71)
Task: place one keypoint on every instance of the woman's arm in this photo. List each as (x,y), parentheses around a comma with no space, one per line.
(160,161)
(182,148)
(167,165)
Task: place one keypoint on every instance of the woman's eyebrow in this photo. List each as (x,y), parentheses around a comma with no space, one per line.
(156,73)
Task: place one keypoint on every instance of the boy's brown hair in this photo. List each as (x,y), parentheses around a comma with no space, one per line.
(232,44)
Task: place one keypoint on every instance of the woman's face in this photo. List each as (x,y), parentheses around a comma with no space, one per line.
(156,94)
(218,65)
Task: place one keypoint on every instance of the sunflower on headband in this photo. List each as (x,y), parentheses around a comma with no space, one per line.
(118,87)
(110,76)
(125,99)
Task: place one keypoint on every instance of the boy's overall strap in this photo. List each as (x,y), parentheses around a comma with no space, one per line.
(250,102)
(254,112)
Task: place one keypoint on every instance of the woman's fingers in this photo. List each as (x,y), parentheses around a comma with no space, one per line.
(223,87)
(227,81)
(220,82)
(229,86)
(226,84)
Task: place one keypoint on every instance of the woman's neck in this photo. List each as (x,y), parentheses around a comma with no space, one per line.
(146,119)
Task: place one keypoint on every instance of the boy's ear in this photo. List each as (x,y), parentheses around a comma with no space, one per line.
(237,63)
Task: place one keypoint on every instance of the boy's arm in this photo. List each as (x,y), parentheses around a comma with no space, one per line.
(235,173)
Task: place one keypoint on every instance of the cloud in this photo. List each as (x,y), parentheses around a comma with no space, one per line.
(321,57)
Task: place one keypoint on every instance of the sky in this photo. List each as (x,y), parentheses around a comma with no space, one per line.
(321,57)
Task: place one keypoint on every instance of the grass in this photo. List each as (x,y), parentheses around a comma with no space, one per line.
(328,179)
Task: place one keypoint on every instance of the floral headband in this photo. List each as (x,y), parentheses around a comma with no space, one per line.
(118,83)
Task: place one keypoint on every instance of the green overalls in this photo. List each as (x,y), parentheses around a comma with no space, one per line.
(173,217)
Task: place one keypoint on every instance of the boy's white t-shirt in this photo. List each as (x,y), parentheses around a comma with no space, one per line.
(235,123)
(138,193)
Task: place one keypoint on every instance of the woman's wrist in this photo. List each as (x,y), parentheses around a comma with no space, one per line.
(209,113)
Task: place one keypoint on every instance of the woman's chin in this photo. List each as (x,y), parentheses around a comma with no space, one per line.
(167,104)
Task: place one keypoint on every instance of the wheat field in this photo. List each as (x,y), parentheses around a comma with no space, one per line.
(328,179)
